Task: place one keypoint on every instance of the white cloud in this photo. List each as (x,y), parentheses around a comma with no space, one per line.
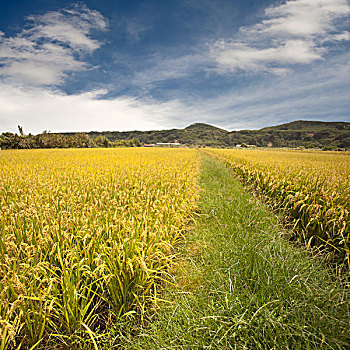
(51,47)
(291,33)
(232,56)
(39,109)
(296,95)
(301,18)
(338,37)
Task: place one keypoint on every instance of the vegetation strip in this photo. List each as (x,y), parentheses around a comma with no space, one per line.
(311,188)
(241,285)
(302,133)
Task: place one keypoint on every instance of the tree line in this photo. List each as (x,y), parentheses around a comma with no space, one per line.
(46,139)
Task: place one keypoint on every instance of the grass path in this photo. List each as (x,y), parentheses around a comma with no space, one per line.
(240,285)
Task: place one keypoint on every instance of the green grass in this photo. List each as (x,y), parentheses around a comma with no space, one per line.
(239,284)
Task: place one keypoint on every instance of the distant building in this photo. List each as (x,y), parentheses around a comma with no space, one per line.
(149,145)
(168,144)
(238,145)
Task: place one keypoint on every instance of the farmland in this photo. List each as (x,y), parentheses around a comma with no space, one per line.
(241,285)
(137,248)
(311,188)
(86,237)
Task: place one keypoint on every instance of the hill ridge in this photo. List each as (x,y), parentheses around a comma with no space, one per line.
(306,133)
(299,133)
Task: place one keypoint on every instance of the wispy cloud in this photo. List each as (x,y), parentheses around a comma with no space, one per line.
(51,47)
(290,33)
(134,28)
(168,68)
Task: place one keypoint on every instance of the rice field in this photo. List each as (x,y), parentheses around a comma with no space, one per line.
(86,238)
(311,188)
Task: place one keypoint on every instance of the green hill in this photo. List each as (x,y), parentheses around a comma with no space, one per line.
(294,134)
(198,134)
(310,125)
(306,133)
(309,134)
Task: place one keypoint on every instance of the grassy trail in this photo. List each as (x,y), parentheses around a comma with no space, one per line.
(240,285)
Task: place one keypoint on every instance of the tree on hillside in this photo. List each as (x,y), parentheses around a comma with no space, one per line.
(102,141)
(20,129)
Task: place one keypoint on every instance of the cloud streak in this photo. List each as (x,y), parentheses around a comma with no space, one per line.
(51,48)
(291,33)
(165,68)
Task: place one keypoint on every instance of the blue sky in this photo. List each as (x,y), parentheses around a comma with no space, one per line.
(126,65)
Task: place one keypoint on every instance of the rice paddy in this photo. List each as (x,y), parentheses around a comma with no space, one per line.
(311,188)
(86,238)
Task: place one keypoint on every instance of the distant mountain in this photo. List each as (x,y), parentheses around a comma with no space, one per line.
(198,134)
(298,133)
(293,134)
(204,127)
(309,125)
